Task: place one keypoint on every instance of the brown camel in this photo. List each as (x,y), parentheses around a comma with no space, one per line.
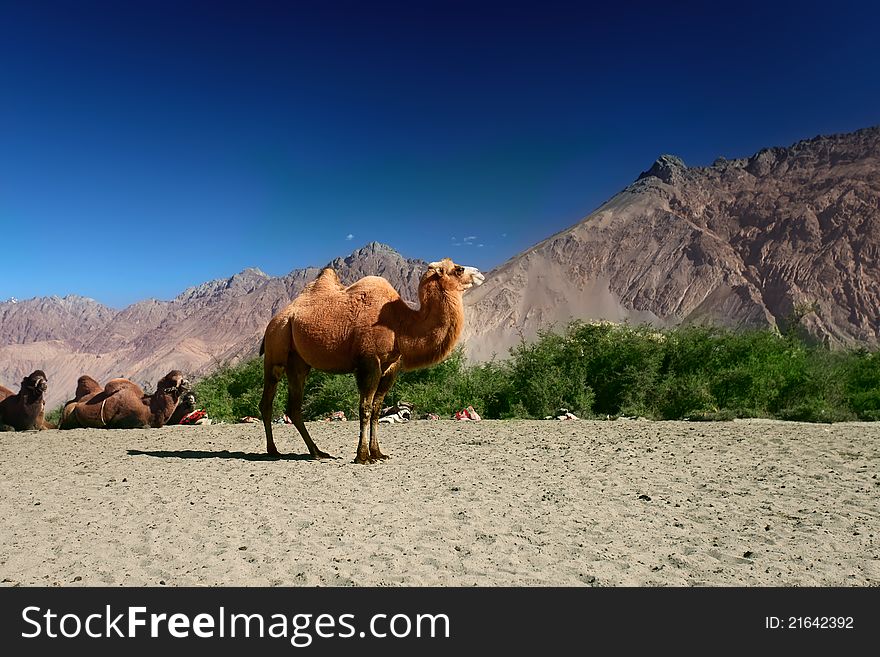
(365,328)
(122,404)
(185,406)
(25,410)
(86,386)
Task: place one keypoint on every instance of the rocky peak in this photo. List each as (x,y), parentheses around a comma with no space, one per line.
(244,282)
(51,318)
(247,278)
(377,259)
(763,162)
(371,251)
(668,168)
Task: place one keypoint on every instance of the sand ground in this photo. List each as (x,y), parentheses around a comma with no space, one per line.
(577,503)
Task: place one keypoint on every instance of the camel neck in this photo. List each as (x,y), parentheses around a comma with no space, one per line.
(433,329)
(161,407)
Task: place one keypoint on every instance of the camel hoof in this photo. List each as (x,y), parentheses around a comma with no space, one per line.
(361,461)
(322,455)
(379,456)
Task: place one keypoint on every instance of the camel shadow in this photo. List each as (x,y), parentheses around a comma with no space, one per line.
(223,454)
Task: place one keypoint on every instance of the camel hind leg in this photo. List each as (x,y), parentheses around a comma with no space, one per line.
(271,376)
(297,372)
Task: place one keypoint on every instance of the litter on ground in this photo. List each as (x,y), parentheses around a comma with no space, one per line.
(199,416)
(467,414)
(562,414)
(400,412)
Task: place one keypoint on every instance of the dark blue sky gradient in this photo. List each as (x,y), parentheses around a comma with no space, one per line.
(146,148)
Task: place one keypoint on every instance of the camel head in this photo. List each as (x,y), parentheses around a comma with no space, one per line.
(453,277)
(188,401)
(173,384)
(34,385)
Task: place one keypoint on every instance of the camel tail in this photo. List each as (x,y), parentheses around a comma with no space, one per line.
(263,346)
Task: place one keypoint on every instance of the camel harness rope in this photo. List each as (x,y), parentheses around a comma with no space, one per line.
(78,419)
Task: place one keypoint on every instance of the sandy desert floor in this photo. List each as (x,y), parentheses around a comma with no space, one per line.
(577,503)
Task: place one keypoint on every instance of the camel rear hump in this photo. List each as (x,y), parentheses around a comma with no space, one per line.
(328,278)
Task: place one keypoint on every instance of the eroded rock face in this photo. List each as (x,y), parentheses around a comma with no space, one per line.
(739,243)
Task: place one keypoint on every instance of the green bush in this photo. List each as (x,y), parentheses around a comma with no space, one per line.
(862,384)
(550,374)
(452,385)
(602,369)
(233,392)
(54,416)
(326,393)
(619,363)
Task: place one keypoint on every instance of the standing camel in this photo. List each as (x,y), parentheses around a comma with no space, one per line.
(365,328)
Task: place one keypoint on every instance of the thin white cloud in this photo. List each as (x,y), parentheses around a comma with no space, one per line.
(470,238)
(349,237)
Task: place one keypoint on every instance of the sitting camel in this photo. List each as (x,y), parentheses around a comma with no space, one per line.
(86,386)
(365,328)
(122,404)
(26,410)
(185,406)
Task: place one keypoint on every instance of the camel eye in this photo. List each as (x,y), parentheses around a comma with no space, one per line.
(459,270)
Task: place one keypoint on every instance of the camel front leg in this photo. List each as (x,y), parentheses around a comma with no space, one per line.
(367,376)
(385,384)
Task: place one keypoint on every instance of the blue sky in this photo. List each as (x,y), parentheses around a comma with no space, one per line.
(147,147)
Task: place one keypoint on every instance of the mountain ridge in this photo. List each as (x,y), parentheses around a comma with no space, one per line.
(742,242)
(206,325)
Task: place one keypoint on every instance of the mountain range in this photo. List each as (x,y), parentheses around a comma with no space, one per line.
(205,326)
(745,242)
